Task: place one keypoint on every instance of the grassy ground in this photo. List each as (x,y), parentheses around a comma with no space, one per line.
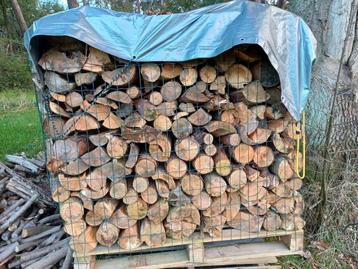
(19,123)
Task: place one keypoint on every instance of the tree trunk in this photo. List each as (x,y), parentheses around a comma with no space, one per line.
(19,16)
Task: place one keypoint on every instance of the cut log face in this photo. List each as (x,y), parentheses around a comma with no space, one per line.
(96,157)
(246,222)
(71,210)
(243,153)
(121,220)
(150,72)
(96,60)
(237,179)
(137,210)
(218,205)
(75,168)
(92,219)
(58,110)
(57,61)
(107,234)
(220,128)
(238,76)
(160,148)
(187,148)
(146,166)
(121,76)
(282,168)
(74,99)
(152,234)
(215,185)
(116,147)
(130,238)
(86,241)
(208,74)
(81,123)
(162,123)
(203,164)
(182,128)
(176,168)
(201,201)
(232,206)
(75,228)
(171,70)
(188,76)
(200,117)
(118,189)
(263,156)
(56,83)
(155,98)
(193,95)
(192,184)
(158,211)
(85,78)
(98,111)
(218,85)
(255,93)
(171,91)
(75,183)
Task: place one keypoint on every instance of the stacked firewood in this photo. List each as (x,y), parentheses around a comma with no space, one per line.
(31,232)
(140,153)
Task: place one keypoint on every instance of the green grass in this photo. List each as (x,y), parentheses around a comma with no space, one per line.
(20,129)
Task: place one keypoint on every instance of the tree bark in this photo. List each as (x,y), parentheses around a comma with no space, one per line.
(19,16)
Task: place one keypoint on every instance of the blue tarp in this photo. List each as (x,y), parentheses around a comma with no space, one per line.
(201,33)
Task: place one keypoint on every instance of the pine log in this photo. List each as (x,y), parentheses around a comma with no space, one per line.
(107,234)
(92,219)
(187,148)
(146,166)
(158,211)
(188,76)
(282,168)
(170,70)
(215,185)
(118,189)
(162,123)
(71,210)
(237,179)
(243,153)
(121,76)
(137,210)
(176,167)
(105,207)
(218,205)
(207,74)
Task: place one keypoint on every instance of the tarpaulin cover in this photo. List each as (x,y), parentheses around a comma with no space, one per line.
(201,33)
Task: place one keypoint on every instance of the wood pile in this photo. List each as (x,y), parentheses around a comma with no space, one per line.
(140,153)
(32,234)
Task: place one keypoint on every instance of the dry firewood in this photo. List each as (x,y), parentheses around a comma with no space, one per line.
(147,110)
(58,110)
(140,184)
(238,76)
(150,195)
(180,114)
(215,185)
(85,78)
(53,126)
(171,91)
(81,123)
(187,107)
(105,207)
(292,222)
(92,219)
(218,205)
(57,83)
(225,60)
(182,221)
(230,116)
(162,188)
(60,62)
(255,93)
(132,156)
(237,179)
(176,168)
(259,111)
(260,136)
(213,225)
(43,234)
(167,108)
(60,194)
(96,60)
(193,95)
(192,184)
(207,74)
(134,121)
(232,206)
(160,148)
(201,201)
(282,168)
(203,164)
(119,96)
(246,222)
(58,97)
(121,220)
(73,183)
(243,153)
(181,128)
(170,70)
(284,205)
(263,156)
(98,111)
(219,85)
(9,210)
(282,144)
(146,166)
(158,211)
(75,228)
(187,148)
(150,72)
(260,208)
(137,210)
(188,76)
(133,92)
(155,98)
(130,197)
(23,162)
(164,176)
(89,193)
(251,193)
(152,234)
(96,157)
(266,73)
(222,163)
(200,117)
(68,149)
(278,125)
(162,123)
(231,139)
(50,259)
(74,99)
(130,238)
(85,242)
(220,128)
(177,197)
(72,209)
(210,150)
(116,147)
(118,189)
(144,135)
(107,234)
(74,168)
(251,173)
(120,76)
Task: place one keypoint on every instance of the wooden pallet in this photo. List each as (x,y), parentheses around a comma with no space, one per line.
(232,248)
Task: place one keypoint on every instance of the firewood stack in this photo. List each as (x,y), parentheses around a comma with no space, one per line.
(141,153)
(31,232)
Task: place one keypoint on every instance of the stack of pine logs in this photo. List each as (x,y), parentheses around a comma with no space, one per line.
(140,153)
(31,232)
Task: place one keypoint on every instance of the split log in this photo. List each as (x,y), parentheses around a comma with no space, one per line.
(272,221)
(222,163)
(292,222)
(218,205)
(134,120)
(100,139)
(160,148)
(75,228)
(200,117)
(201,201)
(238,76)
(137,210)
(225,60)
(152,234)
(86,241)
(130,238)
(105,207)
(121,76)
(150,195)
(171,70)
(72,209)
(232,206)
(166,108)
(187,107)
(130,197)
(246,222)
(219,85)
(85,78)
(61,62)
(132,156)
(193,95)
(57,83)
(251,193)
(107,234)
(285,205)
(96,60)
(263,156)
(81,123)
(260,136)
(220,128)
(255,93)
(96,157)
(112,122)
(282,168)
(116,147)
(91,194)
(60,194)
(214,225)
(121,219)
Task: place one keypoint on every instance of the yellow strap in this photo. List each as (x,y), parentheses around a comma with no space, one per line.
(302,131)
